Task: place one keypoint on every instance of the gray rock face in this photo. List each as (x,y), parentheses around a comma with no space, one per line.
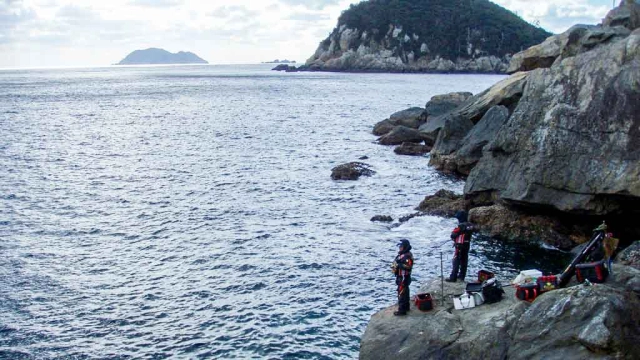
(627,15)
(545,54)
(442,203)
(573,141)
(618,23)
(351,171)
(630,256)
(465,158)
(401,134)
(459,122)
(432,127)
(506,92)
(504,223)
(580,322)
(450,136)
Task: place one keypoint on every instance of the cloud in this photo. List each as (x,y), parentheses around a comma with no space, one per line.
(156,3)
(13,13)
(312,4)
(233,12)
(43,32)
(558,16)
(308,17)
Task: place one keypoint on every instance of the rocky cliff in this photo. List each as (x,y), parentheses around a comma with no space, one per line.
(424,36)
(560,137)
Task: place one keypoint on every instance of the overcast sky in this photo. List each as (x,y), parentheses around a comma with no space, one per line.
(42,33)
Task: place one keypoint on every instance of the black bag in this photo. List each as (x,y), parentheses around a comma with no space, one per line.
(492,291)
(595,272)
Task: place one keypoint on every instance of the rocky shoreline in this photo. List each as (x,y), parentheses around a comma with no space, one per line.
(547,154)
(577,322)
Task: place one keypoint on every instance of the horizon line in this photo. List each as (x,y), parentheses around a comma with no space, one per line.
(61,67)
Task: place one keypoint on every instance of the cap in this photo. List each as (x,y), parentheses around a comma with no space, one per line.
(404,242)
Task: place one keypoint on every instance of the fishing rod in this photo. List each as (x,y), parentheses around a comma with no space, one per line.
(567,274)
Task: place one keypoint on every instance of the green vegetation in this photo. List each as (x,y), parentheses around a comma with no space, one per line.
(450,28)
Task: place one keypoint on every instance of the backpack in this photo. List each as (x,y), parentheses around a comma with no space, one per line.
(492,291)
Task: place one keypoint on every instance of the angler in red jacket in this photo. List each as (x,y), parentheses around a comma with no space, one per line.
(461,237)
(401,268)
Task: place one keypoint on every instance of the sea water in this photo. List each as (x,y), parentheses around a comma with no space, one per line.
(188,211)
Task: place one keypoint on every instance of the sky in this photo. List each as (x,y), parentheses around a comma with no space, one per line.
(64,33)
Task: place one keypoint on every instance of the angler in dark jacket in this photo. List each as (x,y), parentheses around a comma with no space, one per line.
(461,237)
(401,268)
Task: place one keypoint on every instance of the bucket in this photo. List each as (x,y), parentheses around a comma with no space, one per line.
(423,302)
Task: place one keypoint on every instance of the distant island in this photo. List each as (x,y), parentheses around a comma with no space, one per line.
(160,56)
(276,61)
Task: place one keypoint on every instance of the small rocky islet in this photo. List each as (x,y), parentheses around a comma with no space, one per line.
(548,153)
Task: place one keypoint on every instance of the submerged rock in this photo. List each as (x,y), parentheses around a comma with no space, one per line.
(351,171)
(412,149)
(382,218)
(401,134)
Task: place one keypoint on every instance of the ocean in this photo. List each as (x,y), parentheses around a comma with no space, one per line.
(188,211)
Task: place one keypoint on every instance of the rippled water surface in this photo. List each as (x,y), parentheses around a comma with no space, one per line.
(150,212)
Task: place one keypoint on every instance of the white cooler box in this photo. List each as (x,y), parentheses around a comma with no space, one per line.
(467,301)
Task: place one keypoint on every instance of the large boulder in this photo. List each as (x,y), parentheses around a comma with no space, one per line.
(410,117)
(442,203)
(401,134)
(432,127)
(465,158)
(384,127)
(454,155)
(506,92)
(450,137)
(545,54)
(618,23)
(442,104)
(594,322)
(573,141)
(580,322)
(627,15)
